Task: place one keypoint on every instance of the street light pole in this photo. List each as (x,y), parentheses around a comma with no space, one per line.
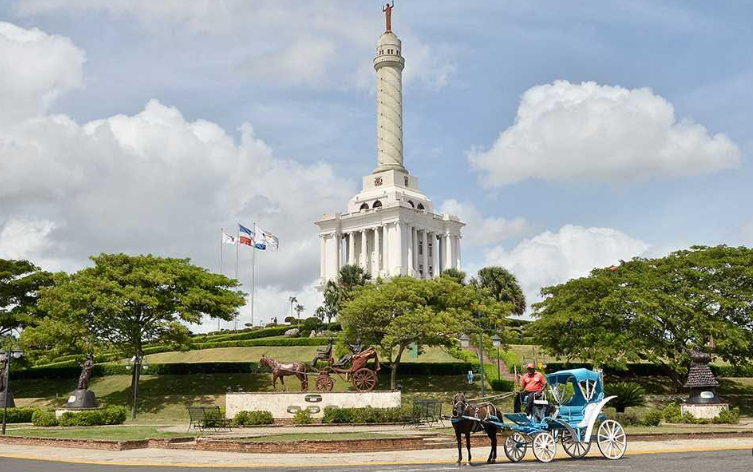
(136,362)
(481,359)
(8,356)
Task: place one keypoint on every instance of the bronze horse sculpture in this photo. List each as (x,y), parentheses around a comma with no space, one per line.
(463,414)
(279,371)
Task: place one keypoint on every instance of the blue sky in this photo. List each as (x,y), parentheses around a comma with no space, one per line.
(654,155)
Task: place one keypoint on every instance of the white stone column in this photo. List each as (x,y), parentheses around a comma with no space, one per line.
(425,243)
(377,252)
(399,248)
(448,252)
(364,255)
(435,254)
(323,266)
(409,245)
(386,254)
(351,248)
(414,244)
(338,251)
(457,251)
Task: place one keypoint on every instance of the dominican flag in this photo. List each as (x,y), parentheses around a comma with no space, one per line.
(248,237)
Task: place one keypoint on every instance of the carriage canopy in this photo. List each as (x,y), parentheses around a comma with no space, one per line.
(586,386)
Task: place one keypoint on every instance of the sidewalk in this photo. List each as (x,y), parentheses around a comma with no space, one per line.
(191,458)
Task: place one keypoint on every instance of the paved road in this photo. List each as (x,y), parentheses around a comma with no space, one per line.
(728,461)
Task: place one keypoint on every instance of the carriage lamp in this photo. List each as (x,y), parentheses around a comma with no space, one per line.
(6,357)
(465,341)
(496,341)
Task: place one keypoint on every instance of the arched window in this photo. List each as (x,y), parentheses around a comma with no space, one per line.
(420,206)
(410,202)
(364,206)
(377,204)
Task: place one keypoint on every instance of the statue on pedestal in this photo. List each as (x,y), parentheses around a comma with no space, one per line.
(703,401)
(82,397)
(4,386)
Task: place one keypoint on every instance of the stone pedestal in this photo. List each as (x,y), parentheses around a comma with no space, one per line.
(704,410)
(81,399)
(284,405)
(11,403)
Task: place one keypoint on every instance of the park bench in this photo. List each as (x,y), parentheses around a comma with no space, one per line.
(207,417)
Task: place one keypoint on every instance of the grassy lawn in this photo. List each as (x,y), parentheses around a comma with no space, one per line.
(97,432)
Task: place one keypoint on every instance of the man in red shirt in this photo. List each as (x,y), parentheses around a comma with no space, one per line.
(532,383)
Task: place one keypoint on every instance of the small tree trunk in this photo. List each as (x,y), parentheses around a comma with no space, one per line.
(394,366)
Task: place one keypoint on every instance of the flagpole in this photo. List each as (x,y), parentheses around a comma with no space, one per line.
(253,275)
(222,235)
(237,250)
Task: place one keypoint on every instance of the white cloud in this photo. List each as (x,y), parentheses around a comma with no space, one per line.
(552,258)
(36,68)
(154,182)
(323,44)
(600,133)
(480,231)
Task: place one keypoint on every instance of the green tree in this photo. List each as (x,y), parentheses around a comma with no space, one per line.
(338,292)
(455,274)
(392,315)
(503,286)
(654,310)
(20,283)
(124,302)
(352,276)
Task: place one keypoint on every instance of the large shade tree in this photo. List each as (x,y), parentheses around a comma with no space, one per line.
(20,283)
(393,315)
(338,292)
(124,302)
(654,310)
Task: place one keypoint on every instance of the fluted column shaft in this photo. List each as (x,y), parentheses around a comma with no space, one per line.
(425,243)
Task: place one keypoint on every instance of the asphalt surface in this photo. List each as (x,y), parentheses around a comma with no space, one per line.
(727,461)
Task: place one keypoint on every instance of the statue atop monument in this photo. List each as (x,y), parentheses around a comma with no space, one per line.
(86,372)
(388,15)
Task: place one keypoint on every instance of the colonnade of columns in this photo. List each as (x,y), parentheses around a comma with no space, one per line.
(390,249)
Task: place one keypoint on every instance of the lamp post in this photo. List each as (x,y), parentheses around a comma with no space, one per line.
(136,362)
(7,356)
(496,342)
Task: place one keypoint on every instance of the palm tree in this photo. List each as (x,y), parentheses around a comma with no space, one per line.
(292,300)
(352,276)
(298,309)
(503,286)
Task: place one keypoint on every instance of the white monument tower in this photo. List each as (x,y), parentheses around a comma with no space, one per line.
(390,227)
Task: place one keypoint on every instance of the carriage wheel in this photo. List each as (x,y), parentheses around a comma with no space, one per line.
(573,447)
(544,447)
(324,383)
(515,447)
(611,439)
(364,379)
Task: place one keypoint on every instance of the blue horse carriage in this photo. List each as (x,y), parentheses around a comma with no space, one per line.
(569,412)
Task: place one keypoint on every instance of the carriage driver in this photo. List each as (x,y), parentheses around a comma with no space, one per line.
(532,383)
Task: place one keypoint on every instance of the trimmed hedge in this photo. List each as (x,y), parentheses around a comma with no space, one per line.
(332,414)
(109,416)
(252,418)
(19,415)
(502,385)
(44,418)
(302,417)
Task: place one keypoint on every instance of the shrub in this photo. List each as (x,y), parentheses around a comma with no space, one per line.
(625,419)
(111,415)
(44,418)
(19,415)
(628,394)
(82,418)
(728,417)
(366,415)
(672,413)
(114,414)
(302,417)
(502,385)
(252,418)
(688,418)
(652,418)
